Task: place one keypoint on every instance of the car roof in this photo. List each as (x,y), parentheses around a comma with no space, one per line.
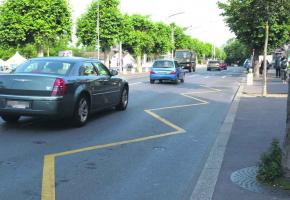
(65,59)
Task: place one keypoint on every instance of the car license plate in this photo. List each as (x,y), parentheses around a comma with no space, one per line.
(18,104)
(162,73)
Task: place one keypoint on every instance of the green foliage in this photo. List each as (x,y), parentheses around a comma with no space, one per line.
(247,18)
(236,51)
(110,24)
(162,39)
(6,52)
(138,34)
(270,168)
(140,37)
(24,22)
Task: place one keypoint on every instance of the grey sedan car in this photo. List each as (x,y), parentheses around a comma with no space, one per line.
(61,87)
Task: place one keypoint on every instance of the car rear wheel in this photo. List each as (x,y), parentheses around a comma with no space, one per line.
(124,99)
(10,118)
(81,112)
(152,81)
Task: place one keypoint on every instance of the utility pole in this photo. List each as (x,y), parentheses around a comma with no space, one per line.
(172,33)
(98,29)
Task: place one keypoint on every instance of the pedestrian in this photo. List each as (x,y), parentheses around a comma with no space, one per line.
(284,69)
(278,67)
(262,66)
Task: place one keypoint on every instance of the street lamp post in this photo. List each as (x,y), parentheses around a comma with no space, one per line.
(172,33)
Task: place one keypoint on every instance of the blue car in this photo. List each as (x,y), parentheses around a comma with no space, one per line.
(166,70)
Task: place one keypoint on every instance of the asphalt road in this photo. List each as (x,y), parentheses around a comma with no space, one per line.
(154,150)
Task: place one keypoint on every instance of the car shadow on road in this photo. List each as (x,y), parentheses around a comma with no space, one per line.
(48,124)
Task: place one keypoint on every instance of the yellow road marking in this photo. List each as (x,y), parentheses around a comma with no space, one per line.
(48,177)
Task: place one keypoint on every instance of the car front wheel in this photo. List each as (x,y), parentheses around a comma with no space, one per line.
(10,118)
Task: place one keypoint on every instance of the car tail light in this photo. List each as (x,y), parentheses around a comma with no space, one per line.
(59,87)
(152,72)
(172,72)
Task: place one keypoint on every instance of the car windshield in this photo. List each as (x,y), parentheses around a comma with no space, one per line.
(213,62)
(45,67)
(182,54)
(163,64)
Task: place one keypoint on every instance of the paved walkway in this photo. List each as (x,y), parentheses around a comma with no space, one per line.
(258,121)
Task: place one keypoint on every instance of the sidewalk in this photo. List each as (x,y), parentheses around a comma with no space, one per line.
(258,121)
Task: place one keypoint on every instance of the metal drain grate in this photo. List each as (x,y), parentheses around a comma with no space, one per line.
(246,178)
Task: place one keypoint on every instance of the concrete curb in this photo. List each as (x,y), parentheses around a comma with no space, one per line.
(205,186)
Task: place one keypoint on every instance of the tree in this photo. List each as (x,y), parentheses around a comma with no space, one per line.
(247,19)
(162,38)
(140,36)
(110,25)
(39,23)
(258,24)
(235,51)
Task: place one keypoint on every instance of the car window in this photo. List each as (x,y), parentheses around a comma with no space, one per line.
(45,67)
(87,69)
(163,64)
(176,64)
(182,54)
(213,62)
(102,69)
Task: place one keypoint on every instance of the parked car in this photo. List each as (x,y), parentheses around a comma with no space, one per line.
(223,65)
(61,87)
(247,64)
(166,70)
(213,65)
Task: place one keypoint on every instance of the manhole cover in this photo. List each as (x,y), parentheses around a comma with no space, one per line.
(246,178)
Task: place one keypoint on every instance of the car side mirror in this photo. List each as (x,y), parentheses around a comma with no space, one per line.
(114,72)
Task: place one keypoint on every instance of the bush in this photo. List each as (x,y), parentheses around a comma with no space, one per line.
(269,167)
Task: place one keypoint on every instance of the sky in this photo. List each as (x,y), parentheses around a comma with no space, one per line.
(203,16)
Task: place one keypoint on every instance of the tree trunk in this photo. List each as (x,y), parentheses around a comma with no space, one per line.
(107,58)
(40,52)
(264,92)
(286,144)
(48,51)
(256,67)
(139,63)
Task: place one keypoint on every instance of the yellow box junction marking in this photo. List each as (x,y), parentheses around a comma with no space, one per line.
(48,177)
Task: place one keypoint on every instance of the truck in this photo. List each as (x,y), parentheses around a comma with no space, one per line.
(186,58)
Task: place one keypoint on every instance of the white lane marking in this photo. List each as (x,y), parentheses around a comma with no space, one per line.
(206,77)
(138,83)
(224,76)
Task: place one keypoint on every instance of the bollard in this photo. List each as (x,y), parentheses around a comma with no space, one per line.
(250,77)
